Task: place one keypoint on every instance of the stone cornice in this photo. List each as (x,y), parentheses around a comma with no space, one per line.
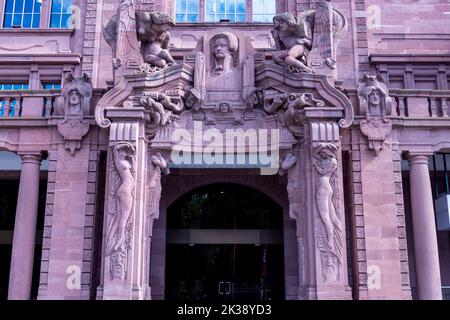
(391,58)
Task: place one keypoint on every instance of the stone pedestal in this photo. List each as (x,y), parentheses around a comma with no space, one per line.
(424,227)
(25,229)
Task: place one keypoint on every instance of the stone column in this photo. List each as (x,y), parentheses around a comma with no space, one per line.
(25,229)
(424,229)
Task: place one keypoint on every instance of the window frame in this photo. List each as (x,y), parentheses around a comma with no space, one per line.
(202,13)
(46,10)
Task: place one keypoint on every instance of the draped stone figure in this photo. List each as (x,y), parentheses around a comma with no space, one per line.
(327,202)
(118,240)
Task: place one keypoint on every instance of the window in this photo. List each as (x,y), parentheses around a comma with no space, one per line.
(232,10)
(187,11)
(61,14)
(22,14)
(264,10)
(48,86)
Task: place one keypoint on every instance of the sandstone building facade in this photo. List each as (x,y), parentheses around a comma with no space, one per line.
(224,149)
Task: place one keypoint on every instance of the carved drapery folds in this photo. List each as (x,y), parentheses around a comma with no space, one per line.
(120,226)
(74,104)
(330,242)
(316,31)
(375,104)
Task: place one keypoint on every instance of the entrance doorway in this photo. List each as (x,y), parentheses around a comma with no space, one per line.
(224,242)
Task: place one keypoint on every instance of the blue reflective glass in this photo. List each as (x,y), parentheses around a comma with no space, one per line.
(221,17)
(192,7)
(258,7)
(192,18)
(240,6)
(36,20)
(231,7)
(180,17)
(7,20)
(178,6)
(66,20)
(56,6)
(18,6)
(28,6)
(9,6)
(37,6)
(209,18)
(240,18)
(17,20)
(67,6)
(220,6)
(7,87)
(55,21)
(210,7)
(26,23)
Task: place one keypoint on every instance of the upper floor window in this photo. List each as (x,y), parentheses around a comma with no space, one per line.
(187,11)
(22,14)
(225,10)
(232,10)
(61,14)
(264,10)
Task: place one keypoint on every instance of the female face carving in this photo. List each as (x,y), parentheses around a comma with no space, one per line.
(74,97)
(221,49)
(374,97)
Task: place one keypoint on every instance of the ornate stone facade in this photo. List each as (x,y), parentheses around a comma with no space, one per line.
(152,119)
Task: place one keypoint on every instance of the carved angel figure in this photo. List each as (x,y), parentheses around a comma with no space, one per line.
(374,97)
(153,32)
(294,38)
(326,188)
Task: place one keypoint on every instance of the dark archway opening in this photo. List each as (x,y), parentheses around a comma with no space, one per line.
(224,242)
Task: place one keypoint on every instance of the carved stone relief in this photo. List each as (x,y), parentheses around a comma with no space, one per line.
(120,226)
(327,203)
(312,30)
(375,104)
(74,104)
(139,40)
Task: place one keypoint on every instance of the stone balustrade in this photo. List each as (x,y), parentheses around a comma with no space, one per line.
(27,103)
(420,103)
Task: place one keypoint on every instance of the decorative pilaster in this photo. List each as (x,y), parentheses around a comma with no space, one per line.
(125,215)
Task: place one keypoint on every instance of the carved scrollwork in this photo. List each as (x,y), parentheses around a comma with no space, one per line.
(327,203)
(120,223)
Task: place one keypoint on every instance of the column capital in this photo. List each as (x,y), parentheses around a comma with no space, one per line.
(418,157)
(31,157)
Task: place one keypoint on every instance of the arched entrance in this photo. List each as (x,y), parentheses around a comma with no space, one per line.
(224,241)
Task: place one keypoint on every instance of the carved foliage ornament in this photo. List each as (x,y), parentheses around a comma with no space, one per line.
(376,105)
(327,203)
(74,103)
(120,222)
